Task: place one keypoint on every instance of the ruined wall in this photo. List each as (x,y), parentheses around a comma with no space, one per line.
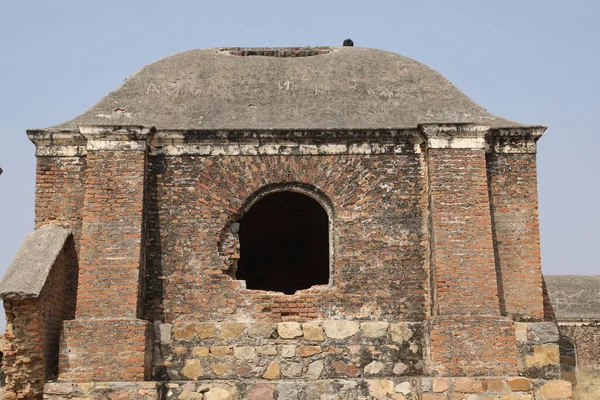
(33,329)
(583,366)
(379,244)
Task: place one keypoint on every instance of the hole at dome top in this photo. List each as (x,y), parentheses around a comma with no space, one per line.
(284,52)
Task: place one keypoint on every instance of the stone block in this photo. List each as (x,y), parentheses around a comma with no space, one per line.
(544,332)
(469,385)
(521,329)
(273,371)
(232,330)
(288,350)
(261,331)
(401,332)
(267,350)
(308,351)
(557,390)
(314,369)
(440,385)
(543,355)
(374,368)
(290,369)
(246,353)
(261,392)
(343,368)
(399,368)
(220,351)
(205,330)
(341,329)
(381,388)
(192,369)
(497,385)
(183,332)
(200,351)
(403,388)
(221,369)
(519,384)
(312,331)
(289,330)
(374,329)
(164,333)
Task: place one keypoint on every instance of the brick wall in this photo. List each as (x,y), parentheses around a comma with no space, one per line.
(109,274)
(464,266)
(473,346)
(100,350)
(57,303)
(23,360)
(34,326)
(513,200)
(59,192)
(379,243)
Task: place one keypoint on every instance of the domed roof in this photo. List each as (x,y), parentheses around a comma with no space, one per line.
(285,88)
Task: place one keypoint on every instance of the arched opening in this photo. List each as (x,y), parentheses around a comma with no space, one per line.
(284,243)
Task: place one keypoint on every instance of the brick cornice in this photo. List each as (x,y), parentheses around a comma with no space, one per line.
(285,142)
(116,138)
(514,140)
(454,136)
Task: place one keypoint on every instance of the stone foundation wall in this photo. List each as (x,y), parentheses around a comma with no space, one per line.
(538,349)
(104,391)
(288,350)
(487,388)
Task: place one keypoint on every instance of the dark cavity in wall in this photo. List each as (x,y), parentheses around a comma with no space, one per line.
(283,52)
(284,243)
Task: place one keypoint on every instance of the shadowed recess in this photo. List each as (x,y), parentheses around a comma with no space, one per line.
(284,243)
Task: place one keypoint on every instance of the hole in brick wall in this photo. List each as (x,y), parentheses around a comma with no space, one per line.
(284,243)
(283,52)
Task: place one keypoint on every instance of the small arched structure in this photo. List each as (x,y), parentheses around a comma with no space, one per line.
(284,243)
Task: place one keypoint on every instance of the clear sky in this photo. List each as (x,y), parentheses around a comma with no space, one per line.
(535,62)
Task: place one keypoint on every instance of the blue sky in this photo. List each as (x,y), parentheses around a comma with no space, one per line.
(531,61)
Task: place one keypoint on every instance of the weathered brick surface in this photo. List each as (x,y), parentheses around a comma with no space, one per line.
(473,346)
(111,240)
(59,192)
(23,358)
(463,256)
(379,244)
(513,199)
(105,350)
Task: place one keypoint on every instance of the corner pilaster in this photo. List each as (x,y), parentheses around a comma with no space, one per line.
(112,261)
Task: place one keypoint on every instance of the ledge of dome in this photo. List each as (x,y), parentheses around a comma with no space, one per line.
(285,88)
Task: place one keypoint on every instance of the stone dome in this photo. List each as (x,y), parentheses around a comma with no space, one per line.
(285,88)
